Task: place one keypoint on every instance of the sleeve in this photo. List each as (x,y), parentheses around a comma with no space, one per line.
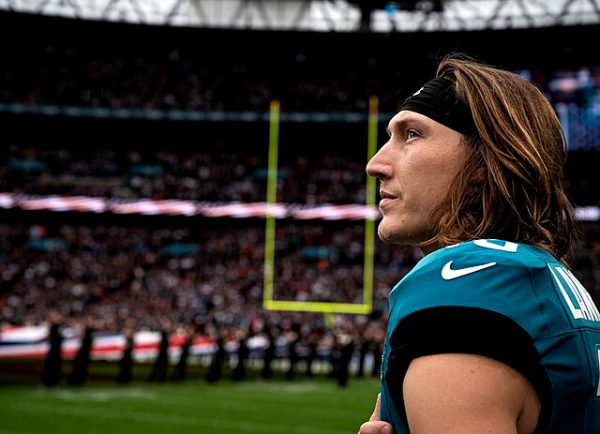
(454,329)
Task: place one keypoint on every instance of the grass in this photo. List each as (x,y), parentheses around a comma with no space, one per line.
(302,406)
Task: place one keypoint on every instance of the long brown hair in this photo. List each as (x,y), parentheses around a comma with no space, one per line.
(511,186)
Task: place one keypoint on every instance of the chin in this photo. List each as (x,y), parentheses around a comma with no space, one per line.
(389,235)
(398,235)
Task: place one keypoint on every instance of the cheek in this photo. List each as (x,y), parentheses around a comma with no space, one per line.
(437,189)
(440,174)
(424,184)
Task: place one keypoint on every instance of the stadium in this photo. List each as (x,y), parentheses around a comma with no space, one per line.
(188,233)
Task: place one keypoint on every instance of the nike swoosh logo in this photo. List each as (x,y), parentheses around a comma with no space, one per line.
(448,273)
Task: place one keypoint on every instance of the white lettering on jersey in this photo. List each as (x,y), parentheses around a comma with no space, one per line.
(582,307)
(507,247)
(448,273)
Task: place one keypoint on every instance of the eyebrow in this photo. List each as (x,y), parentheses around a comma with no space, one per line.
(399,125)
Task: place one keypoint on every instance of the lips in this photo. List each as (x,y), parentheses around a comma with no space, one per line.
(386,199)
(385,195)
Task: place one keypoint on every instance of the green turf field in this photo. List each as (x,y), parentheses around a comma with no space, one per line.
(253,406)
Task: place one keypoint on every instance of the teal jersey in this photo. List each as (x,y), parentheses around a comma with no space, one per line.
(511,302)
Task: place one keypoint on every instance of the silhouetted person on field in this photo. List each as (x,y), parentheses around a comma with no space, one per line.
(269,352)
(181,368)
(345,356)
(53,361)
(239,372)
(125,374)
(294,340)
(161,364)
(364,340)
(81,363)
(216,367)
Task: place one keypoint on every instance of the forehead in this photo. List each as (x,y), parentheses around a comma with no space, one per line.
(406,116)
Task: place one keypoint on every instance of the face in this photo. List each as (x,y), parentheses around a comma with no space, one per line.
(415,169)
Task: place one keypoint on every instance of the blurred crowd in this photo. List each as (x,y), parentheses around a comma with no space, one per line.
(185,79)
(235,77)
(205,174)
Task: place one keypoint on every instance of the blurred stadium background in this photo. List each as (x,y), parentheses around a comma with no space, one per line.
(136,148)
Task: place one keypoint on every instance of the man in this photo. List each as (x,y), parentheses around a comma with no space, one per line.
(490,332)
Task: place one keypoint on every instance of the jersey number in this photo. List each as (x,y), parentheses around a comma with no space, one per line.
(507,246)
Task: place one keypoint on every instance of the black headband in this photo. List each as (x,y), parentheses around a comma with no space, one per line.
(437,100)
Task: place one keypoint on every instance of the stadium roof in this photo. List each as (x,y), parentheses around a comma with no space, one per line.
(325,15)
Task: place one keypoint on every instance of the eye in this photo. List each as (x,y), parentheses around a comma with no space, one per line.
(411,134)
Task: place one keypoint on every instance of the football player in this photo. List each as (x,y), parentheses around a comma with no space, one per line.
(491,332)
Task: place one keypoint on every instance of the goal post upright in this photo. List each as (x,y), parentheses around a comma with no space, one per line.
(269,270)
(369,246)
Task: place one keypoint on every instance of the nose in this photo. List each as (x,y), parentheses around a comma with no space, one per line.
(378,165)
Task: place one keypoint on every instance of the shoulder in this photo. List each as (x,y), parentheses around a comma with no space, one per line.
(495,275)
